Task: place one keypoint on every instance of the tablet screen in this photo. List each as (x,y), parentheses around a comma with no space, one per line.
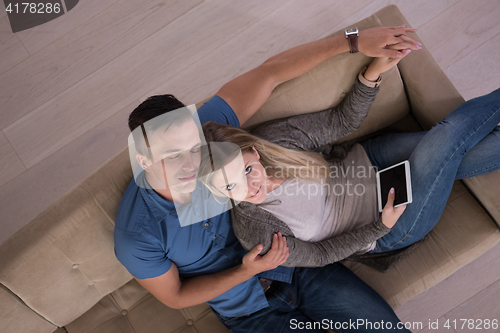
(394,177)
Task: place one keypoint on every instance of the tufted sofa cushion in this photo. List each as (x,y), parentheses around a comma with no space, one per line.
(132,309)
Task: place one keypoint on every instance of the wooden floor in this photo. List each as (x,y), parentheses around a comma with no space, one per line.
(67,87)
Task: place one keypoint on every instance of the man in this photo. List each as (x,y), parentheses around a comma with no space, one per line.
(184,264)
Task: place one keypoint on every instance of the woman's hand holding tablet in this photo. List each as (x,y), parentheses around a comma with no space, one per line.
(396,181)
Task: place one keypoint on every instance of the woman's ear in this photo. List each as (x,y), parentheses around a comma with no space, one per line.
(256,152)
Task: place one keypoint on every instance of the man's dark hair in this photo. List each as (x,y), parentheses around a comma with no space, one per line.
(151,108)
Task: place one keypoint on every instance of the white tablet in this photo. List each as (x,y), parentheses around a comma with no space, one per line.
(397,176)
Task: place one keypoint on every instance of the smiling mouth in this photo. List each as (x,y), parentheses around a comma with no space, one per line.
(256,193)
(188,178)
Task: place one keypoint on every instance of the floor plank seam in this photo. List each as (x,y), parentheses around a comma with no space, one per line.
(15,152)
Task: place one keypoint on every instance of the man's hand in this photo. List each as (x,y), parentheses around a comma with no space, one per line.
(253,263)
(177,294)
(380,41)
(390,215)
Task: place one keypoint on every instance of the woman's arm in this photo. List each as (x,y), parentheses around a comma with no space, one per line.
(312,130)
(253,225)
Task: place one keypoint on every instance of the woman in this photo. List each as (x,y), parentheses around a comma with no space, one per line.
(330,215)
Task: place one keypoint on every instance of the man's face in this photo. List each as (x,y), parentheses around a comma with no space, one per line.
(176,156)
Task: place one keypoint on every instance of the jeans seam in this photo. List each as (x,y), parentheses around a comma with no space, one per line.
(471,174)
(293,296)
(392,245)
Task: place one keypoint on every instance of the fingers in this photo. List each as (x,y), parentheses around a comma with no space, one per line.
(410,41)
(275,246)
(403,46)
(285,252)
(394,54)
(278,253)
(410,30)
(401,29)
(391,40)
(390,198)
(400,209)
(255,251)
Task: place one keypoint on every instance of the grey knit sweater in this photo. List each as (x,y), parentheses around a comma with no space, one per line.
(310,132)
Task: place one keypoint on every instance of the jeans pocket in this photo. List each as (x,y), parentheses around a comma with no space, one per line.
(227,320)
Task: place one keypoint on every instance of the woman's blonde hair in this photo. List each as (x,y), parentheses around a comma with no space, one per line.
(278,162)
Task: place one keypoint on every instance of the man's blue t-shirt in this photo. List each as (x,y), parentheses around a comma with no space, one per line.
(148,236)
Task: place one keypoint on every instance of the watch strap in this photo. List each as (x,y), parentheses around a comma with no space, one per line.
(353,43)
(366,82)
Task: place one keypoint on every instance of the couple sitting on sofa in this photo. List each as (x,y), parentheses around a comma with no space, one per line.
(297,278)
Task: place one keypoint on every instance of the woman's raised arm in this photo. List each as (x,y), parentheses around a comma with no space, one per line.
(310,131)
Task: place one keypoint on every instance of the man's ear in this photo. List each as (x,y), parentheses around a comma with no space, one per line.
(143,161)
(256,152)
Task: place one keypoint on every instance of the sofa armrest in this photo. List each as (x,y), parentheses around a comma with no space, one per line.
(430,93)
(432,96)
(486,190)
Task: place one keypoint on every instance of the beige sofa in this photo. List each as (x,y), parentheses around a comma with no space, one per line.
(60,273)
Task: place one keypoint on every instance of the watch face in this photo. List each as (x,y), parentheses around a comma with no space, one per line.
(351,31)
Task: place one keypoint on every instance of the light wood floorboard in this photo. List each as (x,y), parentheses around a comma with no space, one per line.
(23,199)
(2,10)
(12,50)
(116,85)
(10,164)
(466,26)
(81,52)
(416,12)
(37,38)
(281,33)
(485,305)
(485,78)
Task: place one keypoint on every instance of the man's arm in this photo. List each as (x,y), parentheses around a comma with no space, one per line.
(248,92)
(176,293)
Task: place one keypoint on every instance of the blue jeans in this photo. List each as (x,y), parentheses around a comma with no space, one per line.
(331,293)
(464,144)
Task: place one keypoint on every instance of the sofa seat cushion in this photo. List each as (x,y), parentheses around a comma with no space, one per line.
(132,309)
(463,233)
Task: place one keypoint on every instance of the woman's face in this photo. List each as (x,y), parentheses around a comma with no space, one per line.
(243,179)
